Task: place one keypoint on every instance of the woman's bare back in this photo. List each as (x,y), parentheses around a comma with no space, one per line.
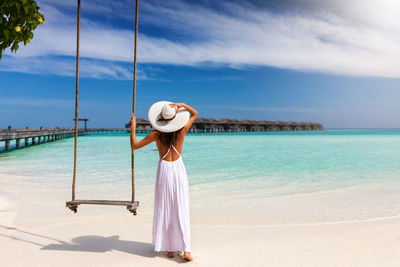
(177,143)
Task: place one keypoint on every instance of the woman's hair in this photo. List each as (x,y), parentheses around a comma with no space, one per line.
(166,138)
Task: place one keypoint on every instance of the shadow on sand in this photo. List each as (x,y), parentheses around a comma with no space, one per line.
(94,243)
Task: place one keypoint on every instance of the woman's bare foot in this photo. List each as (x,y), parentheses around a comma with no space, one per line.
(187,256)
(171,254)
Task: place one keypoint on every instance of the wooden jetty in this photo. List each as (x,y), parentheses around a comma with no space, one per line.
(33,136)
(28,137)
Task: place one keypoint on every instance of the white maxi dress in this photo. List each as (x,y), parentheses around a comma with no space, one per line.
(171,220)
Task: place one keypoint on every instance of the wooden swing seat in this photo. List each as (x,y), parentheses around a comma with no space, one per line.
(131,206)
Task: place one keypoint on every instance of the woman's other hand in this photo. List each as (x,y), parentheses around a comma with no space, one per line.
(133,121)
(177,105)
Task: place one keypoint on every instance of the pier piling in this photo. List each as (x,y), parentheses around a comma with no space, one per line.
(7,144)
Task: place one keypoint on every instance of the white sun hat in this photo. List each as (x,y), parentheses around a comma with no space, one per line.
(167,119)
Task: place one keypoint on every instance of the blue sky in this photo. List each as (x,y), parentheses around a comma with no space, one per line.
(303,60)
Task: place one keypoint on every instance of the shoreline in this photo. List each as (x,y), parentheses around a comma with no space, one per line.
(34,201)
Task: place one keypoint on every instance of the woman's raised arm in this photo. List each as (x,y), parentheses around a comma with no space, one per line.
(191,110)
(152,136)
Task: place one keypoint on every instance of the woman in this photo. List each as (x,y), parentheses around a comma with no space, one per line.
(171,223)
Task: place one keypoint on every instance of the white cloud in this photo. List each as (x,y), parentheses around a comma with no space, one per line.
(89,68)
(53,102)
(358,39)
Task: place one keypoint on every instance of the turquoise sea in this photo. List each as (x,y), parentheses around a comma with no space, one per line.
(256,178)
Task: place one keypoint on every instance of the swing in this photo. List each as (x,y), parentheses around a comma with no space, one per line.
(74,203)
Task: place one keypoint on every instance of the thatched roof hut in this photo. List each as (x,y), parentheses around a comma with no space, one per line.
(212,120)
(200,120)
(223,121)
(141,120)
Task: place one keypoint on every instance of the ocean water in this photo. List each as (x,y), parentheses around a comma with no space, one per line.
(253,178)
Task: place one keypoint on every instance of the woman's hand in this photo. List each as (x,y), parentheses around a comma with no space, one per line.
(177,105)
(183,105)
(133,121)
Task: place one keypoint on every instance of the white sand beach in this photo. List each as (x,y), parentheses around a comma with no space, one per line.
(88,239)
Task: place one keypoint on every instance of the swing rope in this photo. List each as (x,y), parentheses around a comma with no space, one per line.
(134,98)
(77,94)
(78,24)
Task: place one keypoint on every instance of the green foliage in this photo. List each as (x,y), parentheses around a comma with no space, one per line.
(18,19)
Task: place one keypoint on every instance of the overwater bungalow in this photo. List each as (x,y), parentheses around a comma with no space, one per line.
(142,125)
